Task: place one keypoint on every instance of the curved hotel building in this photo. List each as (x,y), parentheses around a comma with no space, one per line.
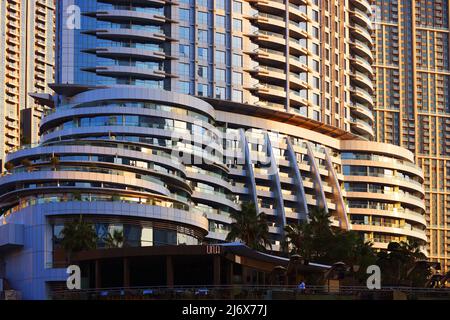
(169,114)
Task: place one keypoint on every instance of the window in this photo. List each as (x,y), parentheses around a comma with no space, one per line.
(316,99)
(220,38)
(202,71)
(237,78)
(220,75)
(184,33)
(184,69)
(237,42)
(237,7)
(220,93)
(237,25)
(183,87)
(184,50)
(184,15)
(220,57)
(202,18)
(202,36)
(316,65)
(202,90)
(203,53)
(316,115)
(237,60)
(220,21)
(237,95)
(220,5)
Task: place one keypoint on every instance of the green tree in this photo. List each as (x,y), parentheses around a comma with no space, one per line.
(298,240)
(316,240)
(78,235)
(250,227)
(403,264)
(114,240)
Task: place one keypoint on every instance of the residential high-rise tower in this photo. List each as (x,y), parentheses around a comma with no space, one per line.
(412,107)
(27,59)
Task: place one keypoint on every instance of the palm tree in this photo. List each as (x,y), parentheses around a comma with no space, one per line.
(401,264)
(298,240)
(114,240)
(78,235)
(250,227)
(316,240)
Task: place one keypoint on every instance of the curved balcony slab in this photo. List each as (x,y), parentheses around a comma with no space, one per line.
(124,52)
(129,15)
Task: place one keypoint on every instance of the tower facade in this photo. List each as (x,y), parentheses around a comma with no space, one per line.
(412,99)
(169,116)
(27,54)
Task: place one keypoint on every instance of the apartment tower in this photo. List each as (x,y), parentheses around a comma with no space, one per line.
(27,59)
(412,107)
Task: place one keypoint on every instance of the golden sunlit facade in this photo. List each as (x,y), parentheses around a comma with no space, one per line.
(412,100)
(27,54)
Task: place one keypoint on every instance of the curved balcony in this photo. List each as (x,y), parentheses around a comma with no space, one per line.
(362,111)
(362,95)
(360,33)
(362,80)
(297,32)
(391,230)
(362,65)
(133,53)
(274,7)
(269,57)
(210,179)
(361,18)
(36,177)
(270,75)
(127,15)
(408,167)
(269,40)
(59,150)
(147,3)
(363,128)
(297,83)
(269,22)
(129,71)
(297,13)
(388,181)
(362,49)
(363,5)
(296,65)
(270,93)
(399,197)
(406,214)
(56,119)
(214,200)
(298,49)
(127,34)
(296,100)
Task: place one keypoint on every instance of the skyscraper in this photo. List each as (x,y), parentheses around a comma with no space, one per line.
(412,104)
(169,116)
(27,54)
